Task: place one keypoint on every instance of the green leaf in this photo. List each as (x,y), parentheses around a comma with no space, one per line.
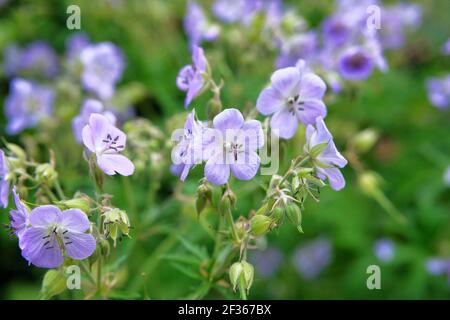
(187,272)
(54,283)
(200,252)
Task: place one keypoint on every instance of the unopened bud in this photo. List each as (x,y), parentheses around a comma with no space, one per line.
(104,247)
(214,107)
(260,224)
(278,215)
(17,151)
(365,140)
(46,174)
(294,215)
(369,182)
(77,203)
(241,270)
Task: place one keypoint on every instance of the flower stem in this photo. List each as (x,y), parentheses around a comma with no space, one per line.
(230,220)
(296,163)
(86,270)
(242,287)
(59,190)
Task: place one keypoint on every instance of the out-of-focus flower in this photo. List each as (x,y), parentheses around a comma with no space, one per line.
(447,176)
(197,27)
(336,31)
(324,154)
(53,232)
(355,63)
(231,11)
(103,64)
(446,48)
(384,250)
(190,78)
(4,183)
(437,266)
(38,59)
(439,91)
(313,257)
(101,137)
(300,46)
(75,45)
(189,149)
(89,107)
(19,218)
(266,262)
(294,95)
(234,147)
(26,104)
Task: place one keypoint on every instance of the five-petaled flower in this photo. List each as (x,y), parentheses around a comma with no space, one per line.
(234,147)
(53,232)
(101,137)
(295,95)
(190,78)
(326,158)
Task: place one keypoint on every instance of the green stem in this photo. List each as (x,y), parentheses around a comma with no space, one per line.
(294,164)
(229,217)
(87,271)
(59,190)
(50,193)
(242,287)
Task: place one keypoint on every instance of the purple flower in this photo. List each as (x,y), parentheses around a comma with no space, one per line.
(89,107)
(39,58)
(101,137)
(266,262)
(355,64)
(437,266)
(4,183)
(190,77)
(294,95)
(231,11)
(103,64)
(26,105)
(300,46)
(197,26)
(384,249)
(19,218)
(313,257)
(446,48)
(75,45)
(439,91)
(326,158)
(447,176)
(189,149)
(53,232)
(234,147)
(336,31)
(12,60)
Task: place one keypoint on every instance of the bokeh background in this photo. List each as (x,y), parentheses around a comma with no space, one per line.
(342,233)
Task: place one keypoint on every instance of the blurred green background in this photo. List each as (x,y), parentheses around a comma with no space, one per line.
(411,156)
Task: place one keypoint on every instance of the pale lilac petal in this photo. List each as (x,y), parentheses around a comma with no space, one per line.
(312,110)
(185,171)
(312,87)
(195,86)
(99,125)
(332,156)
(284,124)
(115,163)
(216,171)
(41,251)
(254,133)
(88,139)
(228,119)
(78,245)
(286,81)
(335,178)
(44,216)
(246,170)
(183,77)
(269,101)
(75,220)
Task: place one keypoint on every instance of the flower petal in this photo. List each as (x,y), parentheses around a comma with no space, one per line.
(269,101)
(112,163)
(216,171)
(88,139)
(311,110)
(99,125)
(228,119)
(75,220)
(44,216)
(40,250)
(254,133)
(284,124)
(335,178)
(79,245)
(286,81)
(312,87)
(246,170)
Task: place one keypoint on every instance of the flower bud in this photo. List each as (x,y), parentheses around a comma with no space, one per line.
(115,221)
(369,182)
(242,226)
(365,140)
(294,215)
(278,215)
(104,247)
(76,203)
(200,204)
(46,174)
(241,270)
(228,201)
(260,224)
(214,107)
(17,151)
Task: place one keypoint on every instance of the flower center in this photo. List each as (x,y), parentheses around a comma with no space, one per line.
(111,144)
(55,230)
(295,104)
(234,149)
